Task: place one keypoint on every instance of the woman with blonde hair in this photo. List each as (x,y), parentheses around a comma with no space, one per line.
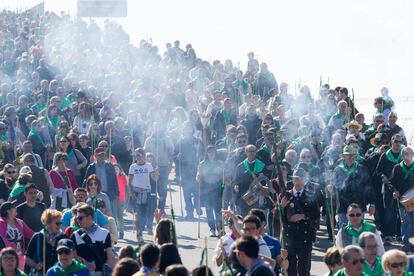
(395,263)
(46,239)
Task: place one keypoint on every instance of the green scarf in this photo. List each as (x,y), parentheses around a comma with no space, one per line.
(377,271)
(226,116)
(344,118)
(54,121)
(258,167)
(406,170)
(37,134)
(390,156)
(350,170)
(74,267)
(266,149)
(18,273)
(365,227)
(17,189)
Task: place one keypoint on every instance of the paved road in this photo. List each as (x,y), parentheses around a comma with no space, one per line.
(190,246)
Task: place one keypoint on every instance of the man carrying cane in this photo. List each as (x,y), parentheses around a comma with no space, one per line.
(139,184)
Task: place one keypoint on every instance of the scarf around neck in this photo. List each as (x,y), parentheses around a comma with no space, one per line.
(365,227)
(258,166)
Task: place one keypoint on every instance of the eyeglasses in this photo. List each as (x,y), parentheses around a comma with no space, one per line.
(360,261)
(397,265)
(11,172)
(64,251)
(355,215)
(8,258)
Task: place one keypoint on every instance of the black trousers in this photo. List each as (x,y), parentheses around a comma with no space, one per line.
(299,256)
(391,221)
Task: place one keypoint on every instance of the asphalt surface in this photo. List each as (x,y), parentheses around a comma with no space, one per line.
(190,246)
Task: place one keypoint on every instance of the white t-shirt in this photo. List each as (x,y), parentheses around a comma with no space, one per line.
(141,175)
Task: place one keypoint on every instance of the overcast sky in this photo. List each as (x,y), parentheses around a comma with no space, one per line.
(361,44)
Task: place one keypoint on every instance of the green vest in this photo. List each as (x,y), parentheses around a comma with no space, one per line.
(348,232)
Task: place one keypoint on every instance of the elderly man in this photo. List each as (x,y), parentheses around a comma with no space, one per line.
(352,259)
(245,173)
(372,266)
(340,118)
(402,180)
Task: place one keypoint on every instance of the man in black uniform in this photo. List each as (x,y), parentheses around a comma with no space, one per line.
(302,216)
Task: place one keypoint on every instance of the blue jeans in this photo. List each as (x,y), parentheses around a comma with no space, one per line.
(142,213)
(407,226)
(162,186)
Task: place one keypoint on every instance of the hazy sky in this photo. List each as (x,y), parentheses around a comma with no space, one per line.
(361,44)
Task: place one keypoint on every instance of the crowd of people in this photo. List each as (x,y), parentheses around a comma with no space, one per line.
(93,127)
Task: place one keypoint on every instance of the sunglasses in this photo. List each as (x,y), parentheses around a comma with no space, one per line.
(397,265)
(242,141)
(93,184)
(80,218)
(63,158)
(64,251)
(355,215)
(11,172)
(4,128)
(397,141)
(360,261)
(58,223)
(63,141)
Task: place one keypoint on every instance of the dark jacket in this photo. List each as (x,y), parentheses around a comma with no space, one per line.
(113,191)
(353,187)
(303,231)
(39,179)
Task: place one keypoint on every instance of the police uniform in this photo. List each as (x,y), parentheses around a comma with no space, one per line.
(300,235)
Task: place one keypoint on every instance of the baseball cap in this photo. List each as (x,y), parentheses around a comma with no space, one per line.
(66,244)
